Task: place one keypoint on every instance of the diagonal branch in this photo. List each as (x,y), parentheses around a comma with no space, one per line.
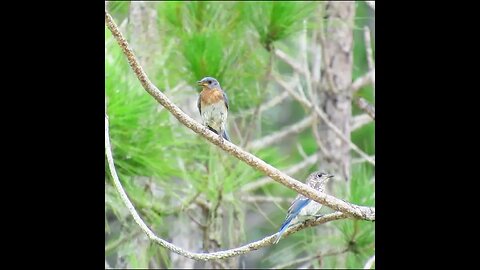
(309,161)
(359,212)
(365,106)
(265,199)
(272,102)
(359,160)
(362,81)
(309,258)
(281,134)
(287,59)
(359,121)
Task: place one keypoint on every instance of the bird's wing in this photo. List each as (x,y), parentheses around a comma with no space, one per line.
(294,210)
(199,105)
(225,99)
(297,204)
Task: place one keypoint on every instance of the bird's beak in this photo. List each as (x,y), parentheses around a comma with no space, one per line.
(202,83)
(330,176)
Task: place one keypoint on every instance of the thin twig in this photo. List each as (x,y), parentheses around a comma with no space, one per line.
(362,81)
(309,258)
(265,199)
(281,134)
(318,138)
(301,151)
(290,171)
(359,121)
(361,212)
(274,101)
(287,59)
(203,204)
(365,106)
(360,160)
(196,221)
(368,47)
(111,246)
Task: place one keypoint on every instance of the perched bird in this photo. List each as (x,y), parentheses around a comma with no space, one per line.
(212,104)
(302,206)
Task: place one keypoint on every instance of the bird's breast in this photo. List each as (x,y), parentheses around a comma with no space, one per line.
(211,96)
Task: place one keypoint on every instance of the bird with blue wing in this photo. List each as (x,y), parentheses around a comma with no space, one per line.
(302,206)
(212,104)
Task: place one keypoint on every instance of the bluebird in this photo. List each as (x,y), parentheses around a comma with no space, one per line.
(212,104)
(302,206)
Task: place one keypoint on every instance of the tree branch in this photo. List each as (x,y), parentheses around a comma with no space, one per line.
(360,212)
(360,160)
(292,170)
(281,134)
(265,106)
(306,259)
(360,120)
(265,199)
(365,106)
(362,81)
(368,48)
(286,58)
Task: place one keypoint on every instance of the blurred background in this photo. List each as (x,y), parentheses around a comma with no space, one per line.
(279,63)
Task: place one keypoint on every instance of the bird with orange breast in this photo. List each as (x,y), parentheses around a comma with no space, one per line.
(213,106)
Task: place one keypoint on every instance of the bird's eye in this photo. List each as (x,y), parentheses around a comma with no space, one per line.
(209,82)
(320,174)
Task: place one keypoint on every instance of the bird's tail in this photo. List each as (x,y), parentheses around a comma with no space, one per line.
(284,227)
(225,136)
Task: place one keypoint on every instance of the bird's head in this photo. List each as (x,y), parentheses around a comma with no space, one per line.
(209,82)
(318,179)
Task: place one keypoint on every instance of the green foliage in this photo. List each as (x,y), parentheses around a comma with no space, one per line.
(275,21)
(204,53)
(135,126)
